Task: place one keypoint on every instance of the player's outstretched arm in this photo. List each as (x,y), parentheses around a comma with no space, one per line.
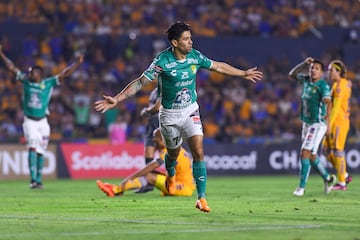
(142,172)
(130,90)
(9,64)
(70,69)
(251,74)
(300,67)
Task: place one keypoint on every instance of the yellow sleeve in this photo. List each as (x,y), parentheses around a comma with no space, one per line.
(341,93)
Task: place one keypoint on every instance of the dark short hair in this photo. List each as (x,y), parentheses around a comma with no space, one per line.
(317,61)
(176,30)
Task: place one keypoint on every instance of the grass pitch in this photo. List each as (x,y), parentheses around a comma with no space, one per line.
(256,207)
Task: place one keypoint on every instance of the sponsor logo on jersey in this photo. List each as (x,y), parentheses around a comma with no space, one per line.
(184,83)
(192,61)
(171,65)
(196,119)
(310,136)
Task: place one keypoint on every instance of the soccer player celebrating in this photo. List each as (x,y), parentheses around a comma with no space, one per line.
(36,97)
(184,180)
(315,109)
(175,69)
(334,143)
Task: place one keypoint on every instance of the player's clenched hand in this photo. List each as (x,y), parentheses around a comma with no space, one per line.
(105,104)
(253,75)
(309,60)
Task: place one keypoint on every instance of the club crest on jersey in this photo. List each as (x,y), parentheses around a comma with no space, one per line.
(42,85)
(193,69)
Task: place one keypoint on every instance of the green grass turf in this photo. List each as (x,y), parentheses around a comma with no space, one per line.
(242,208)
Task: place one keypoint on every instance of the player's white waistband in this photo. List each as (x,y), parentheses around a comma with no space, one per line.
(172,115)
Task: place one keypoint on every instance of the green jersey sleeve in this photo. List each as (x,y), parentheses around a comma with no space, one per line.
(153,71)
(204,62)
(21,76)
(301,78)
(326,91)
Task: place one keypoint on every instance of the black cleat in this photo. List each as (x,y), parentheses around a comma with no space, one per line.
(145,189)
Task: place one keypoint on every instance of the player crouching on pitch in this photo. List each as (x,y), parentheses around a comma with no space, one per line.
(184,179)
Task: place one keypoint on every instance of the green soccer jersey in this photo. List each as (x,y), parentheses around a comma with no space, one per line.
(313,109)
(36,96)
(177,78)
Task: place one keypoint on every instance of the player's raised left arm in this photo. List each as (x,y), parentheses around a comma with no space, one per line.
(251,74)
(9,64)
(70,69)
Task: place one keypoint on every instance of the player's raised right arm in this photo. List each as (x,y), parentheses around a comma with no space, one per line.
(9,64)
(298,68)
(130,90)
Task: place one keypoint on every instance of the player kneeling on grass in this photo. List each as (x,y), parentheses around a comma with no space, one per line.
(185,185)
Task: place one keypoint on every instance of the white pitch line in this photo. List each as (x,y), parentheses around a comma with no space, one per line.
(235,229)
(139,221)
(157,231)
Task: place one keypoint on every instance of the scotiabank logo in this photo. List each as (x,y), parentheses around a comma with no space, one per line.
(103,160)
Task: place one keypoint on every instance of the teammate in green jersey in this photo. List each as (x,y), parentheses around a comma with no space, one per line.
(175,70)
(36,97)
(315,110)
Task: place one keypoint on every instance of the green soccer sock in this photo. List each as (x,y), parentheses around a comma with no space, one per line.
(319,168)
(32,160)
(304,172)
(170,165)
(40,165)
(199,173)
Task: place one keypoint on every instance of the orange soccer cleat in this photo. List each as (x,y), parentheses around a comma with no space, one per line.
(107,188)
(202,205)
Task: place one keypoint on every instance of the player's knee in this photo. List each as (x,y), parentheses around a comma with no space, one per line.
(173,153)
(305,153)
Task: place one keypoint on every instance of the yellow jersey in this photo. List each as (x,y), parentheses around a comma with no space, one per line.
(183,168)
(340,93)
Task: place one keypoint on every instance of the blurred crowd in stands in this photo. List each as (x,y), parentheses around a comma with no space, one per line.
(232,110)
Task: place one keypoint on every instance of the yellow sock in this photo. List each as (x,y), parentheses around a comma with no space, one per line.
(340,166)
(132,184)
(117,189)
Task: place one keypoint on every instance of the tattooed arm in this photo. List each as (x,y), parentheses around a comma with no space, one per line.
(130,90)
